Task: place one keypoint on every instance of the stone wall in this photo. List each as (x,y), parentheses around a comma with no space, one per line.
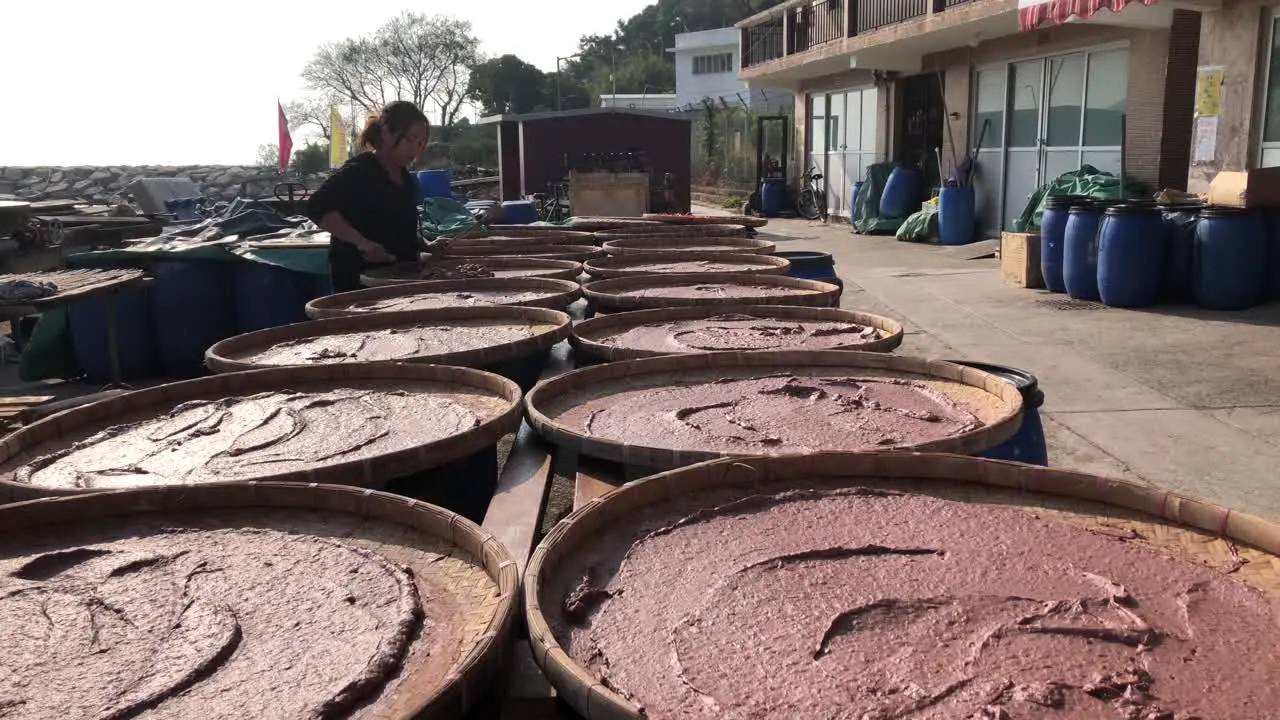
(110,184)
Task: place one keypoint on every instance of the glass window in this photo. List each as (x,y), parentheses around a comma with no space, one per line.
(1025,98)
(989,107)
(1271,119)
(1066,90)
(818,123)
(1108,81)
(712,64)
(818,104)
(853,120)
(870,107)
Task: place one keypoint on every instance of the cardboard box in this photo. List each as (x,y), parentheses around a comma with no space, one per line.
(1250,189)
(1020,259)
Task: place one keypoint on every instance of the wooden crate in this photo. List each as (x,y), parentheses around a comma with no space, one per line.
(1020,259)
(609,194)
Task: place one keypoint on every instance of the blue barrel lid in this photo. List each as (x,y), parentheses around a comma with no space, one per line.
(1026,383)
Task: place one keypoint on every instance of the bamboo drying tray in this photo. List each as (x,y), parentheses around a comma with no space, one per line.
(624,265)
(588,335)
(577,253)
(994,400)
(693,231)
(541,231)
(515,242)
(743,220)
(791,291)
(437,546)
(527,267)
(750,246)
(35,439)
(591,223)
(1177,525)
(225,356)
(555,294)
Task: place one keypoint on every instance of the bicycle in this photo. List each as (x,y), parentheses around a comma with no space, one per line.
(553,206)
(811,201)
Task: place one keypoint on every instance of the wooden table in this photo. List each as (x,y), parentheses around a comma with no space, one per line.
(80,285)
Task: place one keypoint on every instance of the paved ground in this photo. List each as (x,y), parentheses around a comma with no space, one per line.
(1174,396)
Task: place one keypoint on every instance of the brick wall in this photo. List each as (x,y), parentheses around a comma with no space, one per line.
(1179,103)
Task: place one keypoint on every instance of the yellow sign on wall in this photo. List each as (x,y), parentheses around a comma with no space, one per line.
(1209,90)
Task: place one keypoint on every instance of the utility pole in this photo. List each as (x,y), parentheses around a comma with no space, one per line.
(558,61)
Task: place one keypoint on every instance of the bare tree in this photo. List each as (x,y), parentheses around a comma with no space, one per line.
(420,58)
(317,112)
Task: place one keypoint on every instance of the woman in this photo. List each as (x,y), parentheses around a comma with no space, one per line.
(370,205)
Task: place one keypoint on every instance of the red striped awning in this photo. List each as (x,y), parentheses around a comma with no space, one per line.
(1034,13)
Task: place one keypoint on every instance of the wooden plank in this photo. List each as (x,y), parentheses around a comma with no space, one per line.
(594,478)
(38,412)
(25,400)
(515,511)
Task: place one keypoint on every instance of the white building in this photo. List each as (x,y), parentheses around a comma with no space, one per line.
(707,65)
(640,101)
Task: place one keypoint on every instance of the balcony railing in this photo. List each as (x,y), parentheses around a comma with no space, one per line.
(764,42)
(803,26)
(875,14)
(817,23)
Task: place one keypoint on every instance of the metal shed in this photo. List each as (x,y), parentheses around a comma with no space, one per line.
(537,150)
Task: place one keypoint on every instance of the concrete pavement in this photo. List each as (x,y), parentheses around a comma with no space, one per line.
(1174,396)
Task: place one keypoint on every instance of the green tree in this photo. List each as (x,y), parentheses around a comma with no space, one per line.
(310,159)
(508,84)
(635,53)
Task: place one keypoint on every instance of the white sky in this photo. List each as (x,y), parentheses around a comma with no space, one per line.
(138,82)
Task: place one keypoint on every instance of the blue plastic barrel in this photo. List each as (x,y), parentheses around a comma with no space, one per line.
(901,195)
(1230,259)
(1053,227)
(191,309)
(1131,246)
(1080,252)
(1028,444)
(955,215)
(1179,223)
(812,265)
(135,339)
(1273,254)
(853,198)
(518,212)
(433,184)
(773,192)
(267,296)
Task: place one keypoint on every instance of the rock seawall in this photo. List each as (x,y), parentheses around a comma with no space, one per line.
(106,184)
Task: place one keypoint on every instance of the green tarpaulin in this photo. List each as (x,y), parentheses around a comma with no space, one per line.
(1088,181)
(866,211)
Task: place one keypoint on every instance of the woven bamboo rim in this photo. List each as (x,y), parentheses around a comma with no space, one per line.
(555,294)
(623,265)
(743,220)
(791,291)
(1007,417)
(594,223)
(586,332)
(1178,525)
(372,472)
(223,356)
(434,532)
(542,231)
(537,267)
(505,241)
(577,253)
(674,231)
(746,246)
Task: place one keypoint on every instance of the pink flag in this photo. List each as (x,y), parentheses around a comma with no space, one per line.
(286,141)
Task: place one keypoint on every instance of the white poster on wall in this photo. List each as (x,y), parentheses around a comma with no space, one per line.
(1204,145)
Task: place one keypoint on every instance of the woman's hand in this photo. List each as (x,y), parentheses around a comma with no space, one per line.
(375,254)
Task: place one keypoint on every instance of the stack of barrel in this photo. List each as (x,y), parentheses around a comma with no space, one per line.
(1137,253)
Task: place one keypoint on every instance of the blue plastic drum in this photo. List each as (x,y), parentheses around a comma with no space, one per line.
(1028,444)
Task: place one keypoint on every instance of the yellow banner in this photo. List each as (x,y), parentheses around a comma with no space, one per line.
(337,140)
